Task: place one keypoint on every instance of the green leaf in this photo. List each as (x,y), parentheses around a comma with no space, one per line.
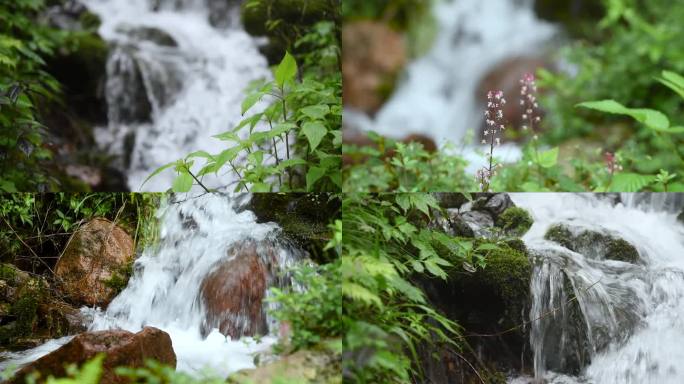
(314,132)
(316,112)
(630,182)
(261,187)
(673,81)
(286,71)
(314,174)
(290,163)
(548,159)
(404,201)
(250,100)
(653,119)
(182,183)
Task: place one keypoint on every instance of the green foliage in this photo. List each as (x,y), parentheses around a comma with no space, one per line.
(154,372)
(394,166)
(294,143)
(386,245)
(120,277)
(314,312)
(89,373)
(24,84)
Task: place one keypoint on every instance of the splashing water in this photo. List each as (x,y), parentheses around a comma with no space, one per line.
(438,95)
(173,81)
(626,324)
(164,291)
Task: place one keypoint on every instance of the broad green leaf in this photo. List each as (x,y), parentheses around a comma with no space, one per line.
(250,100)
(201,154)
(314,174)
(435,269)
(314,132)
(316,112)
(630,182)
(256,158)
(404,201)
(653,119)
(286,71)
(182,183)
(290,163)
(261,187)
(548,159)
(228,136)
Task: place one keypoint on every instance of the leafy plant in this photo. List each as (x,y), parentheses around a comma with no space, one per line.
(387,245)
(24,84)
(292,145)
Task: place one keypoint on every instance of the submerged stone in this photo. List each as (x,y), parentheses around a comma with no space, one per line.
(593,244)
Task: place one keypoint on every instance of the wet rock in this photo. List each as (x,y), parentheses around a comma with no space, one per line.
(492,301)
(151,34)
(92,256)
(126,92)
(303,217)
(374,56)
(680,217)
(495,204)
(478,221)
(506,77)
(122,348)
(593,244)
(514,221)
(320,364)
(80,67)
(233,292)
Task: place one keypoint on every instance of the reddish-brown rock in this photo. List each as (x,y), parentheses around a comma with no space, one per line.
(506,77)
(122,348)
(374,55)
(93,254)
(233,292)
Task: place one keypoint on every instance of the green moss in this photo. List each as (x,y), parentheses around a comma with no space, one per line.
(508,273)
(619,249)
(593,244)
(8,272)
(560,234)
(90,21)
(515,220)
(120,277)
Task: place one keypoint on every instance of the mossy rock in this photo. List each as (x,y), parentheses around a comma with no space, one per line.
(283,21)
(319,364)
(81,67)
(593,244)
(303,217)
(515,221)
(577,16)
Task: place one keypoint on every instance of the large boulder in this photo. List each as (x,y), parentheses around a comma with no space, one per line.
(94,255)
(233,292)
(374,56)
(28,314)
(492,301)
(593,244)
(121,348)
(506,77)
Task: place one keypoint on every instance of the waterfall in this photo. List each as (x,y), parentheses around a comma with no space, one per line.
(598,320)
(437,95)
(176,76)
(196,235)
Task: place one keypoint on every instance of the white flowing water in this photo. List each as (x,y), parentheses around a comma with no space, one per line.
(164,291)
(437,96)
(190,92)
(626,326)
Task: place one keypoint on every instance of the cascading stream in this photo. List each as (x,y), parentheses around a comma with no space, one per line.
(437,95)
(164,292)
(177,75)
(601,320)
